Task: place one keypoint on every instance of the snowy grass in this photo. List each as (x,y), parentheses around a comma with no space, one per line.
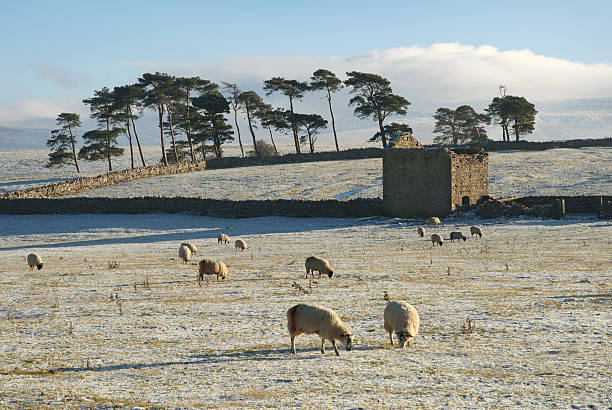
(585,171)
(144,333)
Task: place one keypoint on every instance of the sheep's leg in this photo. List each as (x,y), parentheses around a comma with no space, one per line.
(323,346)
(391,338)
(292,344)
(335,347)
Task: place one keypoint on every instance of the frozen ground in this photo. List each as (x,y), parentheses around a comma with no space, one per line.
(83,333)
(586,171)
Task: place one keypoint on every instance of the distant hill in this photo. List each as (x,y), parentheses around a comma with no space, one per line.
(13,139)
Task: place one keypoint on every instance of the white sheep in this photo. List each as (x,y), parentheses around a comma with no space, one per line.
(436,239)
(325,322)
(402,319)
(192,247)
(223,238)
(433,220)
(210,267)
(421,231)
(240,244)
(320,265)
(475,230)
(457,235)
(184,253)
(34,259)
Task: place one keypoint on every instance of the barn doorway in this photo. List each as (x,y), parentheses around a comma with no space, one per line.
(465,201)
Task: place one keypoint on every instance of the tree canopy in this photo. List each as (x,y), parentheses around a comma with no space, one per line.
(63,141)
(460,125)
(374,98)
(327,81)
(513,112)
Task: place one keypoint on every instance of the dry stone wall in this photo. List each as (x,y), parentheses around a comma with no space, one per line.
(83,184)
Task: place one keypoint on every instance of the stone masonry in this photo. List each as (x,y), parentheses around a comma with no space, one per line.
(432,182)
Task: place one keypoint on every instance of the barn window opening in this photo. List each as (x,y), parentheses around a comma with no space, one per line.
(465,201)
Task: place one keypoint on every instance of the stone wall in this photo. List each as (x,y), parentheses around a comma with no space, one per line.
(416,182)
(581,204)
(427,182)
(199,206)
(470,177)
(541,146)
(83,184)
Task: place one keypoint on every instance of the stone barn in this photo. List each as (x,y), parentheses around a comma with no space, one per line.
(421,182)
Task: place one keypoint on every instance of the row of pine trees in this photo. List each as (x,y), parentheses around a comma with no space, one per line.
(192,112)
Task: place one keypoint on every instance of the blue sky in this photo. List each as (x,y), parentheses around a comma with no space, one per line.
(56,53)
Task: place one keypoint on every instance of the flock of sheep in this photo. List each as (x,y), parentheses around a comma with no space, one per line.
(400,318)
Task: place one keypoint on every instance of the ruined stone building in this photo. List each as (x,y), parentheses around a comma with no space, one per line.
(421,182)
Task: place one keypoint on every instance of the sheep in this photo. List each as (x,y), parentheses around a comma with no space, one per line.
(475,230)
(433,220)
(318,264)
(192,247)
(240,244)
(402,319)
(457,235)
(223,238)
(421,231)
(210,267)
(325,322)
(184,253)
(436,239)
(34,259)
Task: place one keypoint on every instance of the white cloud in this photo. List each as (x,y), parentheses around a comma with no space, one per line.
(58,75)
(35,113)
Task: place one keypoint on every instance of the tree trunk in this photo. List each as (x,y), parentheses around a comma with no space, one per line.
(129,135)
(160,112)
(238,130)
(251,129)
(382,131)
(74,155)
(172,133)
(108,154)
(332,118)
(296,139)
(137,139)
(189,130)
(272,139)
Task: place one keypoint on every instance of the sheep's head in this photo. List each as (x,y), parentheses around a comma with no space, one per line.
(404,338)
(330,273)
(347,341)
(39,266)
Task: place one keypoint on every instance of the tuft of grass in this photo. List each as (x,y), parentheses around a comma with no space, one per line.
(467,326)
(113,264)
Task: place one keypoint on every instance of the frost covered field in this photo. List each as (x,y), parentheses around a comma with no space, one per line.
(114,318)
(86,331)
(586,171)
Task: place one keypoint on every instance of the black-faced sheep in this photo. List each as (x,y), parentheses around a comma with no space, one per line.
(34,259)
(457,235)
(210,267)
(421,231)
(325,322)
(402,319)
(475,230)
(436,239)
(192,247)
(240,244)
(223,238)
(320,265)
(433,220)
(184,253)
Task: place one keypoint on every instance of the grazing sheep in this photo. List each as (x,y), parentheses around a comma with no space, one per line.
(210,267)
(240,244)
(475,230)
(34,259)
(318,264)
(326,323)
(433,220)
(436,239)
(192,247)
(457,235)
(223,238)
(421,231)
(402,319)
(184,253)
